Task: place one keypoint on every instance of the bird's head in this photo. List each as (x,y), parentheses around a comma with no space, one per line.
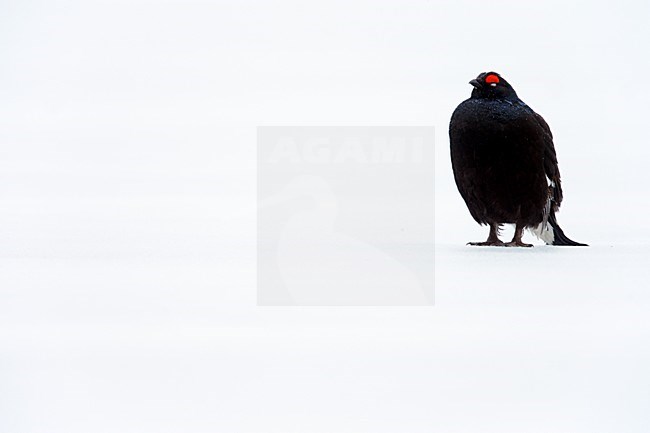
(490,85)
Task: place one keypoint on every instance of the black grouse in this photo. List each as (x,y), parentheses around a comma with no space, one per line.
(505,165)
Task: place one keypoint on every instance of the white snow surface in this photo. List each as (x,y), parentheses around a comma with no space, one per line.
(128,232)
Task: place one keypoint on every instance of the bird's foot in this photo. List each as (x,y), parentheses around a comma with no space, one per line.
(517,244)
(496,243)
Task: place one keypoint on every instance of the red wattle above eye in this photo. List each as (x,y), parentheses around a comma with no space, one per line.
(491,79)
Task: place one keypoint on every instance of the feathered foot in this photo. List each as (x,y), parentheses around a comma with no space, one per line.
(492,240)
(516,239)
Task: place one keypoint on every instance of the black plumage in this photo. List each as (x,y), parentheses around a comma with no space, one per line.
(504,163)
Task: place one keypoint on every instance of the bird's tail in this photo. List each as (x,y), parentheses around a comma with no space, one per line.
(550,232)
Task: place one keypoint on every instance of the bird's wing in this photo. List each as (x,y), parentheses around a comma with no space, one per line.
(550,163)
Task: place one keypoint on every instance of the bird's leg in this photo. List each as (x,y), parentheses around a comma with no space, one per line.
(516,239)
(492,240)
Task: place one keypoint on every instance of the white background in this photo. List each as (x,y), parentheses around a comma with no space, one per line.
(346,216)
(127,220)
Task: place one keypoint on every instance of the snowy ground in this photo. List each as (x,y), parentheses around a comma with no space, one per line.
(127,221)
(134,321)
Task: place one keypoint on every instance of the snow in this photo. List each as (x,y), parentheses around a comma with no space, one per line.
(128,231)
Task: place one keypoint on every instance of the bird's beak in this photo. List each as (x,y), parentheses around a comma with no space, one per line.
(475,83)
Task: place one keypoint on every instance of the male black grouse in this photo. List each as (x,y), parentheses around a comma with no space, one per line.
(505,165)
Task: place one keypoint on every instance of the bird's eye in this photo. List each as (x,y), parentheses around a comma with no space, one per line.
(492,80)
